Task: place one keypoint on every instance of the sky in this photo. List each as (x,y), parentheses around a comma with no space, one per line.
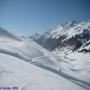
(38,16)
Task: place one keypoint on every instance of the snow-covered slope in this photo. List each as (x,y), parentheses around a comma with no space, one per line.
(18,58)
(26,49)
(18,73)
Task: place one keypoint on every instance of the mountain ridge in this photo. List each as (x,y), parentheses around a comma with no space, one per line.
(66,34)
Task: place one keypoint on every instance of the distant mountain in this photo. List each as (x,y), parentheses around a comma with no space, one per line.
(64,35)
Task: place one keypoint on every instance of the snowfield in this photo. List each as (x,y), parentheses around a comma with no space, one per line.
(16,72)
(75,64)
(28,66)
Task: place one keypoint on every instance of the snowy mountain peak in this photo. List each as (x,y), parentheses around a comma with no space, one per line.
(60,30)
(67,32)
(70,24)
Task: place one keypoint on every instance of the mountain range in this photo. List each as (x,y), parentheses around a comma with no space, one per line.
(65,35)
(59,59)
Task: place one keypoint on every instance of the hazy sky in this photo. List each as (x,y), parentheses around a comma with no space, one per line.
(30,16)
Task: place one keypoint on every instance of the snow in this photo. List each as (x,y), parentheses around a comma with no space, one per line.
(78,29)
(76,64)
(27,50)
(85,46)
(16,72)
(81,65)
(20,61)
(69,30)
